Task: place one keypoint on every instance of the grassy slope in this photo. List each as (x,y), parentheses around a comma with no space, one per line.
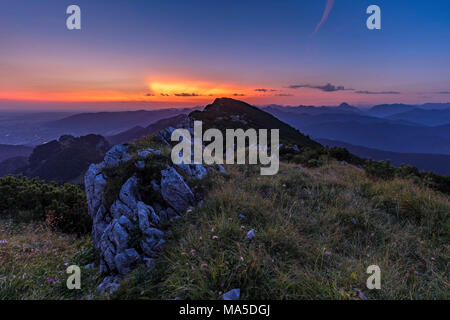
(317,232)
(33,263)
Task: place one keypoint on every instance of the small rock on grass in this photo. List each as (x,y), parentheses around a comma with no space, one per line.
(234,294)
(251,234)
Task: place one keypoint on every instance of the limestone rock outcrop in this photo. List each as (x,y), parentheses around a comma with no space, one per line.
(128,232)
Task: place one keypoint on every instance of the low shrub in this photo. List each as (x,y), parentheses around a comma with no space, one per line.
(62,207)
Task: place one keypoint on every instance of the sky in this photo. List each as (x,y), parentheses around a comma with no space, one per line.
(150,54)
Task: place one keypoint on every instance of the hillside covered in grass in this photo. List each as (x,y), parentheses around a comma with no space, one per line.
(316,232)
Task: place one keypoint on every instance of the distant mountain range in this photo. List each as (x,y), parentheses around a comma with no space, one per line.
(138,132)
(424,117)
(438,163)
(417,135)
(20,129)
(379,127)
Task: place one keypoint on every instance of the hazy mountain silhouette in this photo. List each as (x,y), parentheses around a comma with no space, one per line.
(390,134)
(138,132)
(110,123)
(424,117)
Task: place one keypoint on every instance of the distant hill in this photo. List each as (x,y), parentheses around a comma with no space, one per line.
(226,113)
(438,163)
(10,151)
(385,110)
(424,117)
(111,123)
(344,108)
(384,136)
(302,120)
(34,129)
(389,134)
(66,159)
(138,132)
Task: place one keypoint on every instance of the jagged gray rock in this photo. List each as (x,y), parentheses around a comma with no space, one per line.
(140,164)
(116,226)
(119,209)
(129,193)
(196,171)
(109,285)
(95,183)
(145,153)
(125,260)
(175,191)
(146,215)
(165,135)
(117,155)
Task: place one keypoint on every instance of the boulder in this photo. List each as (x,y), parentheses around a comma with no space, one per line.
(109,285)
(129,193)
(145,153)
(95,183)
(117,155)
(119,236)
(193,171)
(126,260)
(175,191)
(146,215)
(140,164)
(165,135)
(119,209)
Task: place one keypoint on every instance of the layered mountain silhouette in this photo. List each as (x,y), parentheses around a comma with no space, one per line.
(402,133)
(399,132)
(424,117)
(138,132)
(22,130)
(438,163)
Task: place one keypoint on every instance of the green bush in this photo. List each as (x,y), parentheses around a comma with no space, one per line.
(383,170)
(62,207)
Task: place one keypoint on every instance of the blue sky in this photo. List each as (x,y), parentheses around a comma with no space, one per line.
(128,48)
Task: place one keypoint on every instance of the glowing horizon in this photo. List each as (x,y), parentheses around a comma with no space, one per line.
(169,53)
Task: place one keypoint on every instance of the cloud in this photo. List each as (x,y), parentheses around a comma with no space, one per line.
(284,95)
(165,94)
(444,92)
(261,90)
(149,95)
(239,95)
(326,88)
(186,95)
(326,12)
(377,92)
